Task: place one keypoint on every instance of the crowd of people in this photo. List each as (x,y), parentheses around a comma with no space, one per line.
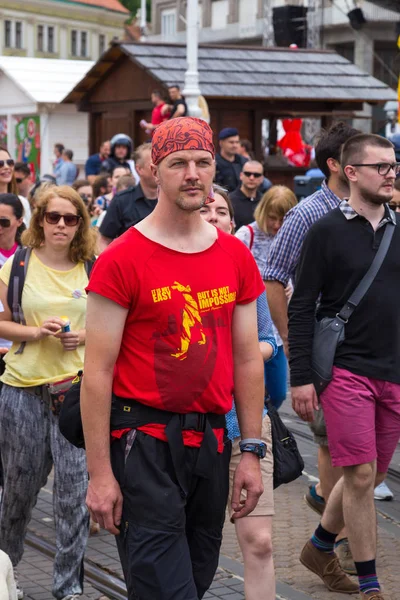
(181,280)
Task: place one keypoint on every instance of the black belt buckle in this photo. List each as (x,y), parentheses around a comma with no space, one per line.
(193,422)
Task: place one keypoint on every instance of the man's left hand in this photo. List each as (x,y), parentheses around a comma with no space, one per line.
(247,477)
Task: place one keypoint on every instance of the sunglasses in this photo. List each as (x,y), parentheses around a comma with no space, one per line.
(4,222)
(9,162)
(255,175)
(20,179)
(53,218)
(394,205)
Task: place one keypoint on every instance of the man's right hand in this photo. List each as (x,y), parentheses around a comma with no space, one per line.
(305,401)
(104,501)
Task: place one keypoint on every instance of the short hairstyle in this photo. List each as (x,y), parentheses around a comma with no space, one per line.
(158,93)
(397,184)
(353,149)
(125,182)
(253,162)
(140,150)
(83,246)
(22,168)
(60,147)
(69,153)
(217,189)
(174,85)
(330,144)
(246,144)
(278,200)
(80,183)
(101,181)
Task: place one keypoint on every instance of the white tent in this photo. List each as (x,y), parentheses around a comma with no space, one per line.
(35,87)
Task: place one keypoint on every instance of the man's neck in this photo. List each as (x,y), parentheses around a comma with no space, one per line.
(338,187)
(228,157)
(248,193)
(149,191)
(374,213)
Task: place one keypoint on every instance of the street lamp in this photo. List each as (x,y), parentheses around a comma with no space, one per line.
(191,90)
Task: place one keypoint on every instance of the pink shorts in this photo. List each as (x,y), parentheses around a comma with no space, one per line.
(362,419)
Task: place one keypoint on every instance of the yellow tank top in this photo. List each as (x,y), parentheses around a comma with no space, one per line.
(47,293)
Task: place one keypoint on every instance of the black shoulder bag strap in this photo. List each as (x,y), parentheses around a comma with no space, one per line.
(16,286)
(369,276)
(89,266)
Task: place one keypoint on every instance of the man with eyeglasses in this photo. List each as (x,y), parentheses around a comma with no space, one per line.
(246,197)
(361,404)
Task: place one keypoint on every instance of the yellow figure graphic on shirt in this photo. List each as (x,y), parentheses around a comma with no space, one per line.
(190,317)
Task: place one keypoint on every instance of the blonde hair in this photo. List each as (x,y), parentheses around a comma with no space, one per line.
(83,246)
(278,200)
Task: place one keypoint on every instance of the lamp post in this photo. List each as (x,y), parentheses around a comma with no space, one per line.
(191,90)
(143,21)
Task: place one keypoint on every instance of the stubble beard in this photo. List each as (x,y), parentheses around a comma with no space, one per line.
(189,205)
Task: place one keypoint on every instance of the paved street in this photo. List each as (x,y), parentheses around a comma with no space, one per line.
(293,523)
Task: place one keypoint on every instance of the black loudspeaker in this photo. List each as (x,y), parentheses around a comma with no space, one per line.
(290,25)
(356,18)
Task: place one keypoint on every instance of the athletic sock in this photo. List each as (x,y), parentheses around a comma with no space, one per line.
(366,572)
(323,540)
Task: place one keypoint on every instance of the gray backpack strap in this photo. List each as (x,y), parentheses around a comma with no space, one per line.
(369,276)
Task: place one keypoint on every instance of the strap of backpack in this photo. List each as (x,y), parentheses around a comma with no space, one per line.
(16,286)
(89,266)
(251,236)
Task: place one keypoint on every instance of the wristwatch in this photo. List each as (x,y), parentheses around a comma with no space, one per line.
(257,447)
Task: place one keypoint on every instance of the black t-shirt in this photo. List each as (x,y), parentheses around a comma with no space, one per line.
(335,256)
(175,106)
(126,209)
(243,207)
(228,173)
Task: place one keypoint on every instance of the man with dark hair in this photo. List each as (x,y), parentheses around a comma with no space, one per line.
(283,259)
(362,401)
(68,171)
(229,161)
(246,197)
(94,162)
(58,150)
(158,115)
(133,204)
(179,106)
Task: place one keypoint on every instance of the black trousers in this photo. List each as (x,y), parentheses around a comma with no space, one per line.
(169,544)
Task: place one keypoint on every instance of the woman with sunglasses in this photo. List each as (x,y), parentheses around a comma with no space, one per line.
(8,182)
(254,532)
(45,355)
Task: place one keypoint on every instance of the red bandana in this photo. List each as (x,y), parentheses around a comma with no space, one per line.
(182,133)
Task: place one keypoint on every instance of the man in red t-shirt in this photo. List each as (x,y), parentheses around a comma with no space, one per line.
(171,332)
(160,113)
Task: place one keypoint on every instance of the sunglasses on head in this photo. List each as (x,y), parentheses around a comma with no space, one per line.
(9,162)
(4,222)
(53,218)
(249,174)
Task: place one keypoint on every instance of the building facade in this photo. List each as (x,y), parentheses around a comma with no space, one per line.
(76,30)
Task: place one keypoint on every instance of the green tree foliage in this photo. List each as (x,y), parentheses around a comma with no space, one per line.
(134,5)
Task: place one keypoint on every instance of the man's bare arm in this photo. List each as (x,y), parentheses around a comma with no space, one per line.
(249,400)
(105,323)
(103,243)
(278,305)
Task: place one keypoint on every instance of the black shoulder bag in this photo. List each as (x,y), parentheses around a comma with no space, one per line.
(329,331)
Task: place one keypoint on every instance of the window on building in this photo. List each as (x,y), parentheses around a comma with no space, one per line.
(74,42)
(7,34)
(50,39)
(102,43)
(168,23)
(18,34)
(40,38)
(83,43)
(219,14)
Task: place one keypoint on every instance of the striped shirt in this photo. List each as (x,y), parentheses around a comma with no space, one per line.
(285,250)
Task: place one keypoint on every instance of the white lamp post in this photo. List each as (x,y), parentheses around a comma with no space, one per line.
(192,90)
(143,22)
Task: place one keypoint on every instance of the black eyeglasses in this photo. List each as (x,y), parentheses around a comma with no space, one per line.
(9,162)
(20,179)
(382,168)
(53,218)
(4,222)
(248,174)
(394,205)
